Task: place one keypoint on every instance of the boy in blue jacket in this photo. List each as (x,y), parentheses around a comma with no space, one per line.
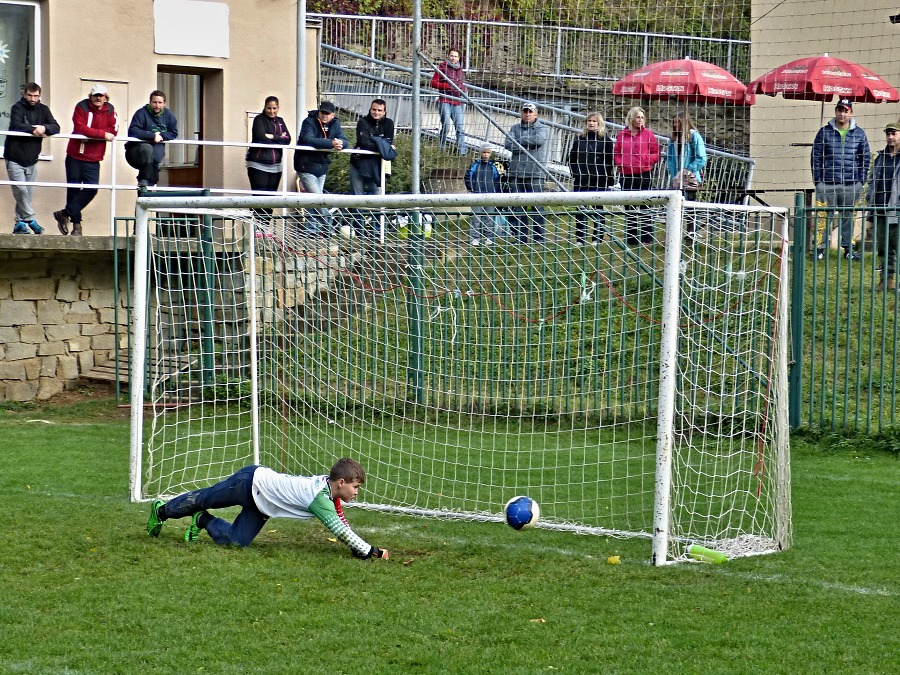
(483,177)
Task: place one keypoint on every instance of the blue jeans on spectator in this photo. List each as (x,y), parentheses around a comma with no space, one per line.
(360,185)
(319,221)
(838,195)
(454,113)
(236,490)
(523,221)
(638,226)
(24,176)
(77,199)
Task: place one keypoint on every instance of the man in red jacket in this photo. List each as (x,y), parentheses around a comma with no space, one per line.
(448,80)
(94,117)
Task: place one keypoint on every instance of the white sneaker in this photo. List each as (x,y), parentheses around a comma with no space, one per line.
(475,242)
(488,242)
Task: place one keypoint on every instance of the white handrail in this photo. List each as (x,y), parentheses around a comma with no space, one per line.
(113,187)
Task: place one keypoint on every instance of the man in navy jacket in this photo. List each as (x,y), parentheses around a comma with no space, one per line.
(840,162)
(320,130)
(154,124)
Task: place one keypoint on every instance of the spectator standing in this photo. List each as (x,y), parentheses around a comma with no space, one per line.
(685,156)
(264,164)
(884,195)
(373,132)
(593,170)
(448,79)
(96,118)
(29,116)
(636,153)
(321,130)
(483,177)
(840,162)
(685,161)
(154,124)
(527,144)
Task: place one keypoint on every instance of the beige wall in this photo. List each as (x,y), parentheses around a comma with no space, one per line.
(781,32)
(84,43)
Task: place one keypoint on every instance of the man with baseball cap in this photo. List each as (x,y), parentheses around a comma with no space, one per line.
(527,144)
(94,117)
(840,162)
(884,197)
(320,130)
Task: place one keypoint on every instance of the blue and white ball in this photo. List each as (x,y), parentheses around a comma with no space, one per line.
(522,512)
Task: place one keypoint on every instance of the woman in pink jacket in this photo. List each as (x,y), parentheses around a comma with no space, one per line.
(635,154)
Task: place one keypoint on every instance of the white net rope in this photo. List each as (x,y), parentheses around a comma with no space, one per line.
(462,375)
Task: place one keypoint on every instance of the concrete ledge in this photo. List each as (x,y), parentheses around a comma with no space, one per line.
(58,242)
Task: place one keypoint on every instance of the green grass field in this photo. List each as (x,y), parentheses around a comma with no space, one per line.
(86,591)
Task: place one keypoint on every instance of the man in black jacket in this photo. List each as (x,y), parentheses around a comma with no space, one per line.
(30,116)
(365,170)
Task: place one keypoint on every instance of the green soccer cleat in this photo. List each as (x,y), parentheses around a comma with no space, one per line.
(154,524)
(193,531)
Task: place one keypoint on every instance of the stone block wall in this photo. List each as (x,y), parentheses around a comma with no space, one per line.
(57,315)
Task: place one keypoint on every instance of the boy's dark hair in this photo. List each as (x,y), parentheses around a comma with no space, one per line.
(160,93)
(32,88)
(348,469)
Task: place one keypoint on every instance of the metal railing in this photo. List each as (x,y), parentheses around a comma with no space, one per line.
(114,157)
(553,52)
(845,330)
(351,80)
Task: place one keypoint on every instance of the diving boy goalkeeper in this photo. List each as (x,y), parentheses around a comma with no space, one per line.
(262,494)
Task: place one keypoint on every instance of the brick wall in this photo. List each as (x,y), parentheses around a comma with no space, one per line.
(57,313)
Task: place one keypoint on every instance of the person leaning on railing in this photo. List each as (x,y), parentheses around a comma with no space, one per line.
(29,116)
(94,117)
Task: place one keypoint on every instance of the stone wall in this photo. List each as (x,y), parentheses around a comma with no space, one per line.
(57,312)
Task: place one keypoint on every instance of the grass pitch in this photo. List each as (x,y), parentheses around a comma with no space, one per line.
(86,591)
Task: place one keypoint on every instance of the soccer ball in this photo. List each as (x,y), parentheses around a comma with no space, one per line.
(522,512)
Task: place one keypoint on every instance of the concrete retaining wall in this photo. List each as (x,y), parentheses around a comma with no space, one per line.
(57,312)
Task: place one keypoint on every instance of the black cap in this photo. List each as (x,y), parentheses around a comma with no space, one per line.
(327,107)
(844,103)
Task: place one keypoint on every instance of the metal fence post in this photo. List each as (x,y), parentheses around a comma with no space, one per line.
(798,264)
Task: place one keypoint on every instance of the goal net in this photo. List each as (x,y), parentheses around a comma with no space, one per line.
(633,388)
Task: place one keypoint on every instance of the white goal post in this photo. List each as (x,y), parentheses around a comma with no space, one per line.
(634,385)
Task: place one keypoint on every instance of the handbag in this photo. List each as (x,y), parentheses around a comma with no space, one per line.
(684,180)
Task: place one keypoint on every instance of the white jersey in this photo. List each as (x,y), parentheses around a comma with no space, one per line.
(279,495)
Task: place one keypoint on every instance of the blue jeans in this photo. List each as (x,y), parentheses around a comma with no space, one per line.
(360,185)
(521,220)
(319,221)
(77,199)
(24,175)
(454,113)
(236,490)
(839,195)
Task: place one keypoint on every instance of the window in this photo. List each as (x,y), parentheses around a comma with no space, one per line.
(20,51)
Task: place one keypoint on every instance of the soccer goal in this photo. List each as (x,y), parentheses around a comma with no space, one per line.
(633,383)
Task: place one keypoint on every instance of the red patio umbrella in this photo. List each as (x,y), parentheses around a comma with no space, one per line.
(821,78)
(685,79)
